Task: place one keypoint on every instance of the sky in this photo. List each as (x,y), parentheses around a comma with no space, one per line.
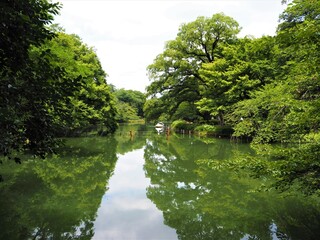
(128,35)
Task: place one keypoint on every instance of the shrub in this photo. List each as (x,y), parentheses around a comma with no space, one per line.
(182,125)
(206,129)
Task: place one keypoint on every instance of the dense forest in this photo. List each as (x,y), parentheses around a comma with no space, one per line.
(129,105)
(208,79)
(52,84)
(264,89)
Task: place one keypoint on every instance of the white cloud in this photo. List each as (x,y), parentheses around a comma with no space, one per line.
(128,35)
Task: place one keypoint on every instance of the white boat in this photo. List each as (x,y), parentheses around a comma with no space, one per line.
(159,125)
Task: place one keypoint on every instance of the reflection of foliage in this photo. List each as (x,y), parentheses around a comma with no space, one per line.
(287,110)
(293,168)
(267,89)
(131,137)
(205,203)
(65,194)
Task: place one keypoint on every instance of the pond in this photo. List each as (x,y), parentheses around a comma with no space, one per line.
(148,186)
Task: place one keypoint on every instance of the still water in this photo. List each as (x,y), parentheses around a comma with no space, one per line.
(146,186)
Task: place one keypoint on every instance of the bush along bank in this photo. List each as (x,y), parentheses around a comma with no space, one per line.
(185,127)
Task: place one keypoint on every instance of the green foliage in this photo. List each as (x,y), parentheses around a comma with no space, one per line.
(154,109)
(27,85)
(221,131)
(208,67)
(186,111)
(205,128)
(51,83)
(291,168)
(300,168)
(23,22)
(126,112)
(182,125)
(203,202)
(92,104)
(263,117)
(129,105)
(57,198)
(246,65)
(288,109)
(267,89)
(175,72)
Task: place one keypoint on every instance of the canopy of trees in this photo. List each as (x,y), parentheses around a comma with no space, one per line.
(129,104)
(265,88)
(50,82)
(93,103)
(175,72)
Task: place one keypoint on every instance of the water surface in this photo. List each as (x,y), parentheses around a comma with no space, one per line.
(146,186)
(125,211)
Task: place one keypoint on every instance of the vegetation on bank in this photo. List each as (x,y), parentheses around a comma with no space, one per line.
(183,126)
(129,105)
(266,89)
(52,84)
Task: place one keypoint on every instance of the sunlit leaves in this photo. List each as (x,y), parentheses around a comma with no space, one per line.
(288,109)
(129,105)
(50,82)
(246,66)
(261,116)
(91,103)
(175,72)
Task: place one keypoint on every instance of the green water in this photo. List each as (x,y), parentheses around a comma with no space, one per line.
(146,186)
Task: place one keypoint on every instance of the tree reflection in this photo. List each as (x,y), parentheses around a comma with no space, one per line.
(131,137)
(57,198)
(205,203)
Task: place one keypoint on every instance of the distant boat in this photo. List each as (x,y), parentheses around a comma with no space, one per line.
(159,125)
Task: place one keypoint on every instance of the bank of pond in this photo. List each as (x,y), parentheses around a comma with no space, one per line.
(139,184)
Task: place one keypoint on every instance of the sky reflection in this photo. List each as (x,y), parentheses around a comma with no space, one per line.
(125,211)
